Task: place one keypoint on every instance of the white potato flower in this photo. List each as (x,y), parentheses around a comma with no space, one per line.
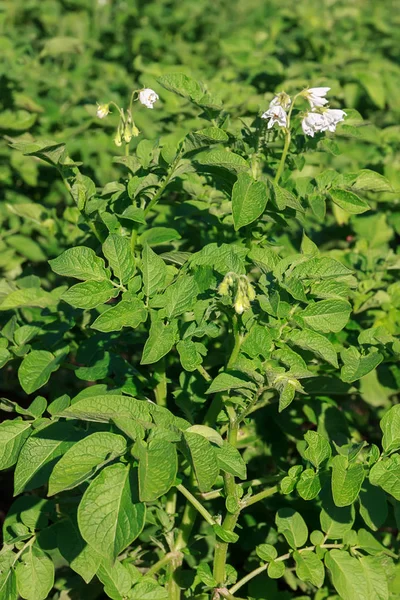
(102,110)
(275,114)
(326,119)
(316,96)
(148,97)
(333,116)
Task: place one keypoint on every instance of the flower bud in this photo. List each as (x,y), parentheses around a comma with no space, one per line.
(118,138)
(102,110)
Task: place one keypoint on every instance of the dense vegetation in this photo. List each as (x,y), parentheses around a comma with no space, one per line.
(199,302)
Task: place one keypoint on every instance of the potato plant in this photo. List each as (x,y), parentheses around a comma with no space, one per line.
(202,436)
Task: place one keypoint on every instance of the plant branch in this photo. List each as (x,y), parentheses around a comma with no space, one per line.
(264,566)
(196,503)
(163,562)
(260,496)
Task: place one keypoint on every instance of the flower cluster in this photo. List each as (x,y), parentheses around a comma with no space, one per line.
(127,128)
(242,291)
(319,118)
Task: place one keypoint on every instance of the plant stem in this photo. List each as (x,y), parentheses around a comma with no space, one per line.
(204,373)
(196,503)
(260,496)
(230,520)
(237,342)
(162,562)
(288,137)
(186,526)
(264,567)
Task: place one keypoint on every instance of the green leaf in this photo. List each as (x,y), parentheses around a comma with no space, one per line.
(223,159)
(8,581)
(90,294)
(390,425)
(205,137)
(258,342)
(28,297)
(117,251)
(158,466)
(225,535)
(348,201)
(371,181)
(319,268)
(180,296)
(309,568)
(36,368)
(225,381)
(335,521)
(148,589)
(347,575)
(356,366)
(208,432)
(84,458)
(160,341)
(82,558)
(110,516)
(130,312)
(116,579)
(249,199)
(292,525)
(231,461)
(12,437)
(309,485)
(318,448)
(154,272)
(204,460)
(316,343)
(40,453)
(386,474)
(189,356)
(80,262)
(327,315)
(347,479)
(182,85)
(35,574)
(266,552)
(107,407)
(373,505)
(375,577)
(276,570)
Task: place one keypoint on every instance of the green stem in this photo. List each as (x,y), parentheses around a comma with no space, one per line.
(288,138)
(264,567)
(174,591)
(230,520)
(260,496)
(196,503)
(162,562)
(186,526)
(237,342)
(204,373)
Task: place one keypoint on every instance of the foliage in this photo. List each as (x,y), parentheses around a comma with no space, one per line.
(199,314)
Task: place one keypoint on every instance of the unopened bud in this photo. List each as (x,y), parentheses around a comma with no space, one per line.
(118,138)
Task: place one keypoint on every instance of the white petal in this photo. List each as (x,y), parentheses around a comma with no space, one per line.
(319,91)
